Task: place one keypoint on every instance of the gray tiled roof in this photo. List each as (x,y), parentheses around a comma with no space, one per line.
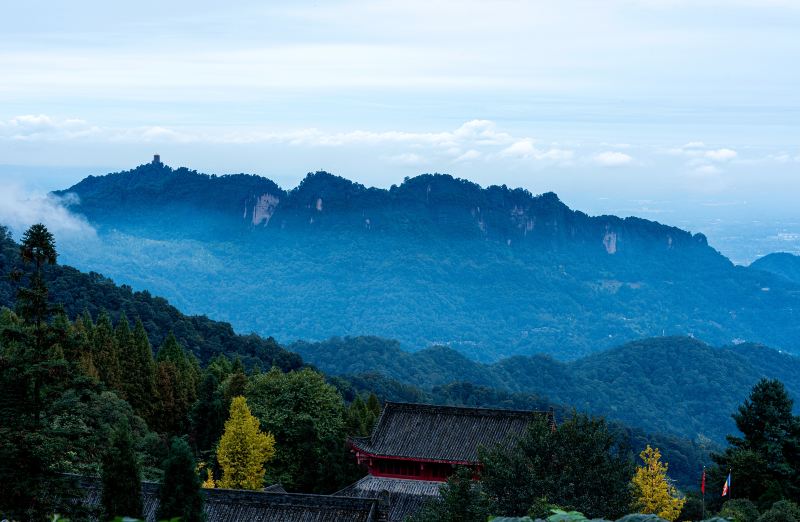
(445,433)
(405,496)
(228,505)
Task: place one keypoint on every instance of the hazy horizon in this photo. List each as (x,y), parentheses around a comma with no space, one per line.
(682,112)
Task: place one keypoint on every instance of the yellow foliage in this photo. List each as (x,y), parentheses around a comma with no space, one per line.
(653,492)
(208,483)
(243,449)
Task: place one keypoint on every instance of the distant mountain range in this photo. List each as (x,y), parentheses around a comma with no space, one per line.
(80,292)
(671,385)
(780,263)
(491,272)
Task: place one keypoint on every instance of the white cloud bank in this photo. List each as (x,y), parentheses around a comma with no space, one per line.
(613,159)
(19,209)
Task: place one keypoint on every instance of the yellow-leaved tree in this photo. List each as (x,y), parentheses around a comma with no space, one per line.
(653,492)
(243,449)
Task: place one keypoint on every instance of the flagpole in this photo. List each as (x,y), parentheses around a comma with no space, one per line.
(703,488)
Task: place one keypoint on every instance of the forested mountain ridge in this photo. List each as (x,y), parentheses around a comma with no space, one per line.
(669,385)
(423,205)
(491,272)
(780,263)
(79,292)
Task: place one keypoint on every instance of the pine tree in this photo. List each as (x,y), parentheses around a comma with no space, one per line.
(208,414)
(38,247)
(127,365)
(361,416)
(180,492)
(460,500)
(176,383)
(83,339)
(106,352)
(243,449)
(766,459)
(374,405)
(654,494)
(169,415)
(121,476)
(141,386)
(236,383)
(582,464)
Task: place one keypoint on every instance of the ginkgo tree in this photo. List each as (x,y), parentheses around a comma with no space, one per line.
(653,491)
(243,449)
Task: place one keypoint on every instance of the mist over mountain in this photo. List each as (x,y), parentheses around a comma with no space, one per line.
(438,375)
(491,272)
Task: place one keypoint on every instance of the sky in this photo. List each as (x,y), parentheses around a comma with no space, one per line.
(687,112)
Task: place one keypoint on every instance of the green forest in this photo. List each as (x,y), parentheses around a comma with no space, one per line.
(491,272)
(675,385)
(90,394)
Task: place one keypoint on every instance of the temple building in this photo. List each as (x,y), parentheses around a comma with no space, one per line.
(412,450)
(415,447)
(425,442)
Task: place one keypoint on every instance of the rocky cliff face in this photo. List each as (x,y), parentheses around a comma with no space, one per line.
(430,205)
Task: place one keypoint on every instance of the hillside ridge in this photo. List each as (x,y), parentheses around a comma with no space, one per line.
(491,272)
(675,385)
(322,200)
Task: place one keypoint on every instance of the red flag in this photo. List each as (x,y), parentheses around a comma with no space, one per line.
(703,483)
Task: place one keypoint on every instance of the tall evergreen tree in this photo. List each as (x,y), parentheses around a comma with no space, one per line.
(124,342)
(580,465)
(140,385)
(121,476)
(176,381)
(170,411)
(208,414)
(180,491)
(460,500)
(84,334)
(39,248)
(106,352)
(32,370)
(766,458)
(185,363)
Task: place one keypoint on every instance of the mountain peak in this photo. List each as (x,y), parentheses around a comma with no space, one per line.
(428,204)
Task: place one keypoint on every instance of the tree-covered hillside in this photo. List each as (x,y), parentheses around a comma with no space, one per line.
(672,385)
(86,394)
(780,263)
(78,292)
(491,272)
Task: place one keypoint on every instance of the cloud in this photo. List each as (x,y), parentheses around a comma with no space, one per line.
(525,149)
(702,159)
(469,141)
(40,126)
(470,155)
(409,159)
(613,159)
(20,209)
(707,169)
(698,149)
(720,154)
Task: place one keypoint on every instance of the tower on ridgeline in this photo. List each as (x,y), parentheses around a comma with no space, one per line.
(156,159)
